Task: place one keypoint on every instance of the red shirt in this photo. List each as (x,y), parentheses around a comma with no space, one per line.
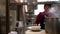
(39,16)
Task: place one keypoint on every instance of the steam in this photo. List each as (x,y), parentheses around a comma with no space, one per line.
(54,12)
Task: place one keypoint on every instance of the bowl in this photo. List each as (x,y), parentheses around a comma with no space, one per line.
(35,28)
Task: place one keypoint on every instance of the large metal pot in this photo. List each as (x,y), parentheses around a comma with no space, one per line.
(52,26)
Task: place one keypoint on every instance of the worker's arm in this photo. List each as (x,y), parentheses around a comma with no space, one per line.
(38,19)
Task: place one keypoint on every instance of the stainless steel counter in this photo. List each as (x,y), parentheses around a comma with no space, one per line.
(31,32)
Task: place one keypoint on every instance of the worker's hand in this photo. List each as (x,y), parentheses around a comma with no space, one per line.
(35,24)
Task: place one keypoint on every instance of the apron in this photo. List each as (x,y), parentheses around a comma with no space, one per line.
(42,20)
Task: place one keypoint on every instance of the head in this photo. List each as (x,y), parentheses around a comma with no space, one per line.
(47,7)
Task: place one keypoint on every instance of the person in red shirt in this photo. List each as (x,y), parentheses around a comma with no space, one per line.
(41,16)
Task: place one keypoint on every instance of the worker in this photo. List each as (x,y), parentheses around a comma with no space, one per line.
(42,15)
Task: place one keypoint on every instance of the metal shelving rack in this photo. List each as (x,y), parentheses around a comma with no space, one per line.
(17,7)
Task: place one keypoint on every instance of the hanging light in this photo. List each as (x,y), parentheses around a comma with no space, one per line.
(18,1)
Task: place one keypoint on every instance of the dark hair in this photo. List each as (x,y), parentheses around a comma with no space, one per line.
(48,5)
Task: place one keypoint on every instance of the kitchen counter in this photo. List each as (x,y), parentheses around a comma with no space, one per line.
(31,32)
